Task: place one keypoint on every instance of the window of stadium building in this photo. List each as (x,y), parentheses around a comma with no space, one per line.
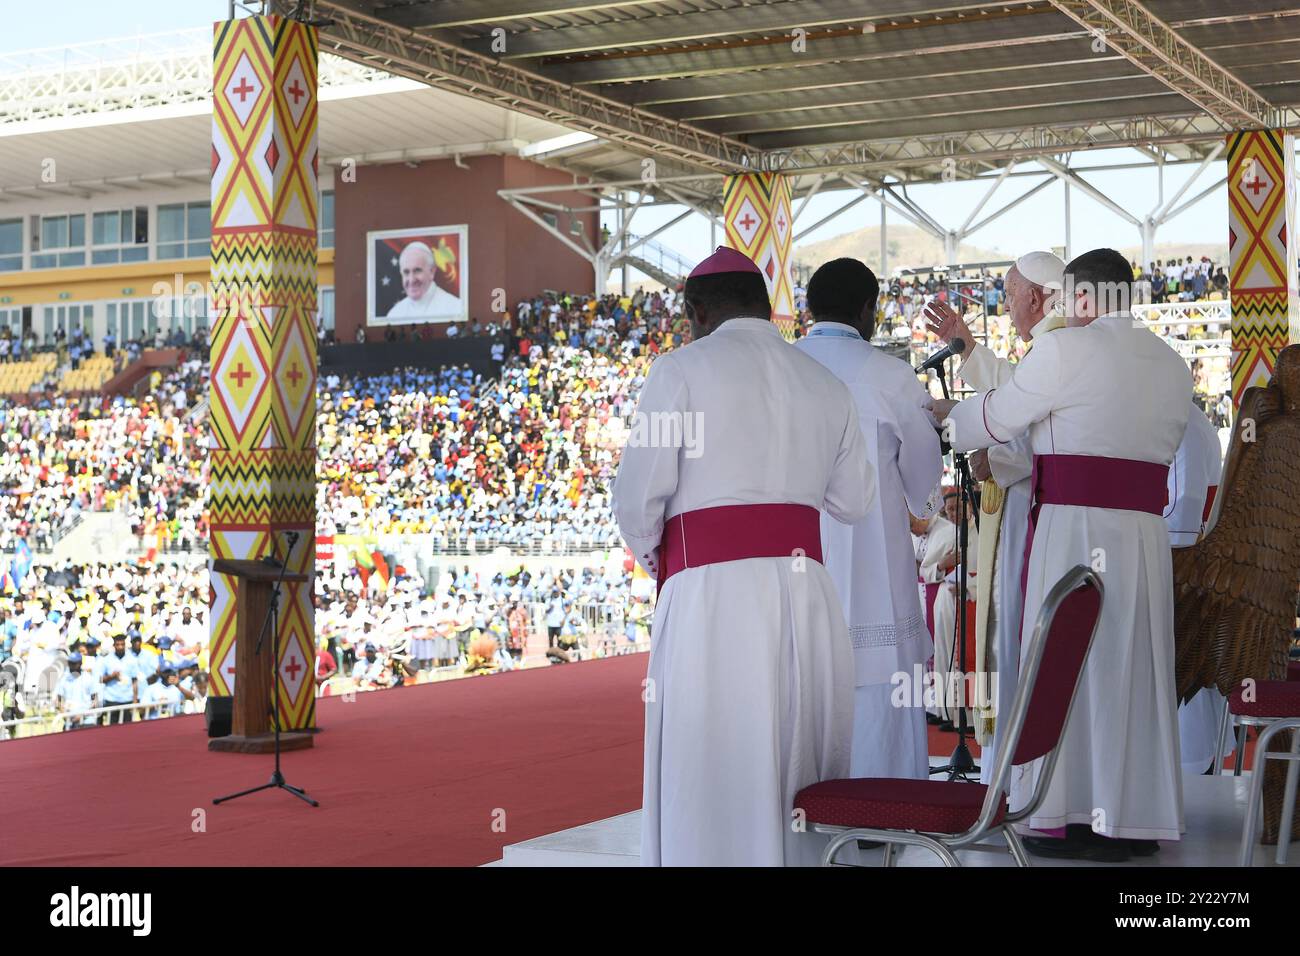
(327,308)
(65,319)
(327,219)
(120,235)
(184,230)
(11,321)
(11,245)
(59,241)
(185,313)
(127,320)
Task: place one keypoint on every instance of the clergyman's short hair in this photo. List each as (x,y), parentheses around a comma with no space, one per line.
(735,292)
(1106,275)
(840,289)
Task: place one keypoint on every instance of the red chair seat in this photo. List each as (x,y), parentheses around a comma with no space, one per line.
(931,806)
(1273,698)
(1293,671)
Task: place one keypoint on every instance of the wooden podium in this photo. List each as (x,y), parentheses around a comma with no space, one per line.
(251,729)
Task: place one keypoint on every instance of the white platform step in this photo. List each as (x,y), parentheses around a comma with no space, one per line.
(615,841)
(1213,807)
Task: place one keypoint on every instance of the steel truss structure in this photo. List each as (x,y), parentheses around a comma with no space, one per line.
(155,70)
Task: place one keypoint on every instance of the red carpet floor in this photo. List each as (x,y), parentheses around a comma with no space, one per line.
(409,777)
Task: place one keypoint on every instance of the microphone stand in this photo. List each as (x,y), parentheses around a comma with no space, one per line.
(960,764)
(272,622)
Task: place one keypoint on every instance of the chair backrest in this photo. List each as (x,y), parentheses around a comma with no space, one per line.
(1051,666)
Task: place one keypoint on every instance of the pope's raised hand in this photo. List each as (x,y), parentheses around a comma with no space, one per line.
(944,321)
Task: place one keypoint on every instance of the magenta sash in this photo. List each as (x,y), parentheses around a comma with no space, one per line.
(931,592)
(1091,481)
(1209,503)
(736,532)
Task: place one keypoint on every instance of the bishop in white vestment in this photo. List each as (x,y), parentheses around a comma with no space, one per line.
(738,443)
(1033,288)
(872,562)
(1105,403)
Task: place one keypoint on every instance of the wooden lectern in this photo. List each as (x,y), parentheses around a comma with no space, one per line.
(251,729)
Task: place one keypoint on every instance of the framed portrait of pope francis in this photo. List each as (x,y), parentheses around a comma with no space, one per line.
(416,276)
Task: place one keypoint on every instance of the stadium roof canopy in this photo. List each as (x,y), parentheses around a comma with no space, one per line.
(914,90)
(137,112)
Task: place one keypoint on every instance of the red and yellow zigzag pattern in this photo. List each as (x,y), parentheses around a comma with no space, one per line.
(1261,252)
(263,351)
(756,214)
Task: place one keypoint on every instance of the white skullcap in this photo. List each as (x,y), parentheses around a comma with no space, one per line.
(1042,269)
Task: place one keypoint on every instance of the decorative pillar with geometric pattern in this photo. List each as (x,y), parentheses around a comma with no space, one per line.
(756,213)
(1262,253)
(263,348)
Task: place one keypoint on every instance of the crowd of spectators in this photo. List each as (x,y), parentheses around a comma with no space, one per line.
(126,634)
(142,457)
(522,459)
(412,626)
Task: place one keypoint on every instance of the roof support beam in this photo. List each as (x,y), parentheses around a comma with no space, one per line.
(884,199)
(706,24)
(1130,29)
(695,205)
(816,186)
(449,66)
(1207,191)
(931,224)
(1070,176)
(862,197)
(1008,207)
(993,187)
(517,204)
(1159,215)
(642,240)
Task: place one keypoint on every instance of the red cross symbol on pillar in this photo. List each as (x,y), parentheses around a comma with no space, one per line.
(780,222)
(229,670)
(243,89)
(239,375)
(748,221)
(1256,185)
(294,374)
(293,667)
(296,91)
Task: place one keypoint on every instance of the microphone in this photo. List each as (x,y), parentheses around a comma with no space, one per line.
(293,537)
(957,347)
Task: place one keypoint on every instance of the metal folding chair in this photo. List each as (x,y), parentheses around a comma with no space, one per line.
(1275,706)
(945,816)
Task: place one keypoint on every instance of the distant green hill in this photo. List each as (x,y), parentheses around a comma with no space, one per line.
(910,248)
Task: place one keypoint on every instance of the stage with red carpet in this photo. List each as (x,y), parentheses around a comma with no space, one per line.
(441,774)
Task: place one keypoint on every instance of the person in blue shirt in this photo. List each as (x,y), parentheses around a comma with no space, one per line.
(163,693)
(77,692)
(146,659)
(121,681)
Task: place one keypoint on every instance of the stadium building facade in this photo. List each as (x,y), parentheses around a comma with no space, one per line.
(105,199)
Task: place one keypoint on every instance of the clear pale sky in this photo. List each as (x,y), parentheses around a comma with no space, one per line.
(1036,224)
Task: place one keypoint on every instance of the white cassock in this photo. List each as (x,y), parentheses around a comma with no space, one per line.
(750,681)
(1011,465)
(947,654)
(1195,470)
(873,562)
(1111,389)
(939,542)
(436,303)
